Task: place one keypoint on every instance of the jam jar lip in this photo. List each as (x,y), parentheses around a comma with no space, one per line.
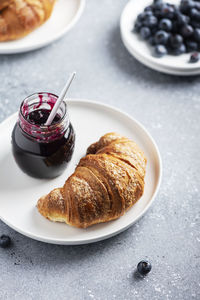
(43,133)
(36,95)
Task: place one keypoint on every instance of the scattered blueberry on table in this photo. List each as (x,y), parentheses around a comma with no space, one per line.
(5,241)
(171,29)
(144,267)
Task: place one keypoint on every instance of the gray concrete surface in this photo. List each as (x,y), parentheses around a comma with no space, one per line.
(168,235)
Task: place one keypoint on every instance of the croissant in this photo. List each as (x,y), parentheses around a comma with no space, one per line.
(106,183)
(5,3)
(20,17)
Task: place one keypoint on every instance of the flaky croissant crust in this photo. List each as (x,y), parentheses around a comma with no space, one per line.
(106,183)
(20,17)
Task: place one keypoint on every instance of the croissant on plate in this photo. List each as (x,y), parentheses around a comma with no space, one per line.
(106,183)
(20,17)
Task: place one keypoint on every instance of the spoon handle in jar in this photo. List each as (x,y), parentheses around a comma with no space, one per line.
(60,99)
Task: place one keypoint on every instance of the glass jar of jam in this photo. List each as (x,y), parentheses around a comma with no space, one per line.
(42,151)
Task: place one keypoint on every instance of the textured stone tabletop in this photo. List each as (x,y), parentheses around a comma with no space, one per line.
(169,234)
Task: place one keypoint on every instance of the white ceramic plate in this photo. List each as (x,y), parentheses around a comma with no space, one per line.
(65,14)
(175,65)
(19,193)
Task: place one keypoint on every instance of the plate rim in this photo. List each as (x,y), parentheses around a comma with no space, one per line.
(160,68)
(116,232)
(148,60)
(50,40)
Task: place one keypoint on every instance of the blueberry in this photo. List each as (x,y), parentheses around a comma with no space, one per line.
(197,34)
(180,50)
(145,32)
(176,40)
(195,24)
(151,21)
(197,5)
(191,46)
(168,11)
(141,17)
(157,13)
(137,26)
(144,267)
(186,5)
(158,4)
(5,241)
(151,41)
(161,37)
(194,57)
(182,19)
(148,8)
(165,24)
(160,50)
(147,14)
(187,31)
(195,14)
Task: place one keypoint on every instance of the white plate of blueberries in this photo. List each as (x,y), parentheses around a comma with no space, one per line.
(164,36)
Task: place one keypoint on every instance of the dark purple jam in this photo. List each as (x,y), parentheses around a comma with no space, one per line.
(40,116)
(42,151)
